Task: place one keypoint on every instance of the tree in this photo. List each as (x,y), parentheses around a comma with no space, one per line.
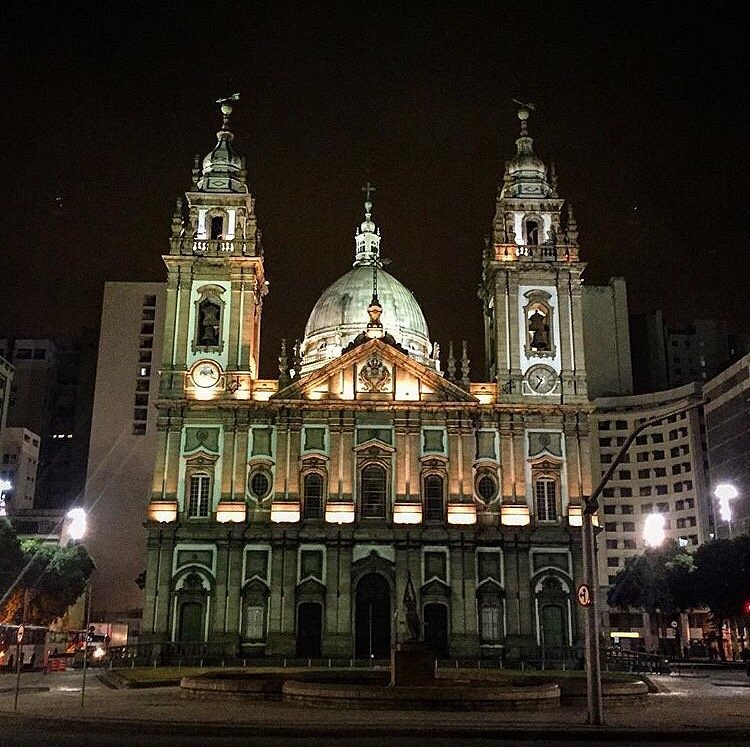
(658,581)
(44,578)
(722,575)
(722,580)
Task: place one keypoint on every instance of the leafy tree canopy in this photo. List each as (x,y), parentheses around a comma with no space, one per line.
(722,577)
(47,577)
(658,580)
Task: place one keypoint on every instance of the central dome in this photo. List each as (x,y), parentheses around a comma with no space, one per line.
(341,312)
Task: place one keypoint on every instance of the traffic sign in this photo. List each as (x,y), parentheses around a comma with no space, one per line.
(584,595)
(19,634)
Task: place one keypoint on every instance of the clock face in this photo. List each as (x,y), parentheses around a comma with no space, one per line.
(206,374)
(541,379)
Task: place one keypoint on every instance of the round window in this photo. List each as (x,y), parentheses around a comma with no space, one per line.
(486,487)
(260,484)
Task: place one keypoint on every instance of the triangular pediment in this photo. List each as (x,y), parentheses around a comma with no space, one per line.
(374,371)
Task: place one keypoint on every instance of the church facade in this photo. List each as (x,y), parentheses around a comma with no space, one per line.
(288,517)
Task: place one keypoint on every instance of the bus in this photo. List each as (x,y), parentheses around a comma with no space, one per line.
(33,648)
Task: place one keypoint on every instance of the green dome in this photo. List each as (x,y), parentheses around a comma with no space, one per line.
(341,314)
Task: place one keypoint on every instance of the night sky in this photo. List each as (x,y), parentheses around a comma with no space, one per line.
(104,108)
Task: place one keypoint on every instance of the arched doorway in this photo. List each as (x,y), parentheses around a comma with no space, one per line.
(436,629)
(553,626)
(553,616)
(191,622)
(309,630)
(372,618)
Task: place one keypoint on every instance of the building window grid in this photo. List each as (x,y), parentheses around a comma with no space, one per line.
(143,380)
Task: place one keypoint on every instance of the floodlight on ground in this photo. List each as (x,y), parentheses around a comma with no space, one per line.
(653,529)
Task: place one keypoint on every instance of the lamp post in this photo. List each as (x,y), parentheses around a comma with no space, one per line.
(590,574)
(75,529)
(726,492)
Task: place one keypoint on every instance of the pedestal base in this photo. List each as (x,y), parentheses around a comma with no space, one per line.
(412,664)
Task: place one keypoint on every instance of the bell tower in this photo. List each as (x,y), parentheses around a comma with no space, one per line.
(531,285)
(215,282)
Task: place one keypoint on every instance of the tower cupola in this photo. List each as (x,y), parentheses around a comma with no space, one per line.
(223,170)
(367,236)
(526,174)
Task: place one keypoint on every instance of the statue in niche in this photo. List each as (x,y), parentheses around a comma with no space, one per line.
(539,331)
(208,324)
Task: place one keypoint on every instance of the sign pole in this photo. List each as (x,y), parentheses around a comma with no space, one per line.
(19,662)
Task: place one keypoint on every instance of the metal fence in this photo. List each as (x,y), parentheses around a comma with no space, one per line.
(218,654)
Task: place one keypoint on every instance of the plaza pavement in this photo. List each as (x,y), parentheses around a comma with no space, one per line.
(703,706)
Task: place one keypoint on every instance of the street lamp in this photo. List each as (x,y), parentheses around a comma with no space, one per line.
(653,529)
(74,529)
(726,492)
(588,540)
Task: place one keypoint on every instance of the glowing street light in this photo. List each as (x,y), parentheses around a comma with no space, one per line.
(653,529)
(726,492)
(76,528)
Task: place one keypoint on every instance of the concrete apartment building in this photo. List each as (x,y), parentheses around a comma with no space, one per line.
(122,445)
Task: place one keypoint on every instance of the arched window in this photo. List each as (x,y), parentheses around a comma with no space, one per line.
(313,496)
(538,327)
(545,489)
(217,227)
(209,323)
(373,491)
(434,508)
(490,618)
(199,498)
(532,233)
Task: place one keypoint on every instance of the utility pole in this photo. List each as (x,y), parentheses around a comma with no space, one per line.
(590,571)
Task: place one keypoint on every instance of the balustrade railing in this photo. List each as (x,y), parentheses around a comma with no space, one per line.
(214,247)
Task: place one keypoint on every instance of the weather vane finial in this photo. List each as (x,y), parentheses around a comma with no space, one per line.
(523,113)
(226,106)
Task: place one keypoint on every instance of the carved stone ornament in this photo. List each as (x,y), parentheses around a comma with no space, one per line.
(374,375)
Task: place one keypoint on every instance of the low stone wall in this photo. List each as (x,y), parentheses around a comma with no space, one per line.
(453,696)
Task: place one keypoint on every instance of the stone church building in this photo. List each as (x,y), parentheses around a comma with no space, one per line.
(287,516)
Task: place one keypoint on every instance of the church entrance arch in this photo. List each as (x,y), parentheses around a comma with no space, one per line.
(372,618)
(190,627)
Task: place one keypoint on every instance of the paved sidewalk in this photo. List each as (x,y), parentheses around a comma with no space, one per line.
(716,706)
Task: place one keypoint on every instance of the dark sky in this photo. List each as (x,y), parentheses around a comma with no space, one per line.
(104,107)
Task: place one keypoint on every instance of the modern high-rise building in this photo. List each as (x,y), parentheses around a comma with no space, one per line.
(51,396)
(727,409)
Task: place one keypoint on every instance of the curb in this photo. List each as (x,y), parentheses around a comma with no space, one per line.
(523,732)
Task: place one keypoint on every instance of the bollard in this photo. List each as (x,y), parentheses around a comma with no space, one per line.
(285,662)
(244,663)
